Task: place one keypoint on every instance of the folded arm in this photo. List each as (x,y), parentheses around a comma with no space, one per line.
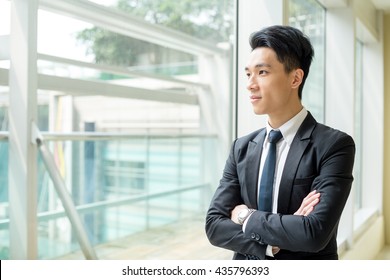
(312,232)
(308,232)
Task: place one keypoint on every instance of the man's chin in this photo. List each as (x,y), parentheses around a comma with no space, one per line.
(258,112)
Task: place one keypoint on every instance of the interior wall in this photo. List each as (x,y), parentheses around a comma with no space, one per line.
(386,164)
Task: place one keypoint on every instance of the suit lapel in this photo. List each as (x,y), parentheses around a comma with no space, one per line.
(298,147)
(255,147)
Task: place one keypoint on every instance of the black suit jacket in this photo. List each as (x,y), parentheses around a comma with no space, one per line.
(320,158)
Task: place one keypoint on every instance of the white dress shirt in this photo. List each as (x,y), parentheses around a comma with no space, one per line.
(288,130)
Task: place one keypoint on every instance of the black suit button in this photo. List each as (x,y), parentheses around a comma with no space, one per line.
(257,237)
(253,235)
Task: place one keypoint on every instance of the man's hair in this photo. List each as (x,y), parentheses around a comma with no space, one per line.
(293,48)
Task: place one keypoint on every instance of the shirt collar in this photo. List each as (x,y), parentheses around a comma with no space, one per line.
(290,128)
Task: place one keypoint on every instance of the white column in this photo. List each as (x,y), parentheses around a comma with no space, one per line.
(216,109)
(340,69)
(373,121)
(253,15)
(22,112)
(339,108)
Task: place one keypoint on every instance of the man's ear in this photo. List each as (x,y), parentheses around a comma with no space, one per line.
(297,78)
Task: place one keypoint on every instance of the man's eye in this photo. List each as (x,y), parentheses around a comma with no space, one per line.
(262,72)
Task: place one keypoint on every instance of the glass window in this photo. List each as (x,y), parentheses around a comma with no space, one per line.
(150,169)
(209,20)
(122,118)
(309,17)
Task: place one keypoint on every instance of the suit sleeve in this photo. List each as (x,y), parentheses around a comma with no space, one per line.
(220,229)
(313,232)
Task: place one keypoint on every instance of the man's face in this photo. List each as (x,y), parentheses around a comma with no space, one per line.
(270,87)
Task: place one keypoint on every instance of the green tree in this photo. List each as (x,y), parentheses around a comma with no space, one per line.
(210,20)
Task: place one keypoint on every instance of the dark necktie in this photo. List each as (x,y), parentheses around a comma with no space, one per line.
(267,177)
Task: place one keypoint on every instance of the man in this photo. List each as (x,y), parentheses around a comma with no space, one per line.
(313,168)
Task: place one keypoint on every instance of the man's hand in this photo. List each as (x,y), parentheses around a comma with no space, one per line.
(308,204)
(235,211)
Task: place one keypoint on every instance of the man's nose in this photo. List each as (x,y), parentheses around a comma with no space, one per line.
(251,84)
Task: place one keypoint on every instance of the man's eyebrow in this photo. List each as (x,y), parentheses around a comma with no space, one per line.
(259,66)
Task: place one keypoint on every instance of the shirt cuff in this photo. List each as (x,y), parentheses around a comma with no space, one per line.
(268,252)
(245,222)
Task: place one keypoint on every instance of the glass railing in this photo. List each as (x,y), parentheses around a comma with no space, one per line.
(119,187)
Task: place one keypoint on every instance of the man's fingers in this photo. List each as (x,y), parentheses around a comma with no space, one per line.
(275,250)
(312,195)
(308,204)
(307,211)
(309,199)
